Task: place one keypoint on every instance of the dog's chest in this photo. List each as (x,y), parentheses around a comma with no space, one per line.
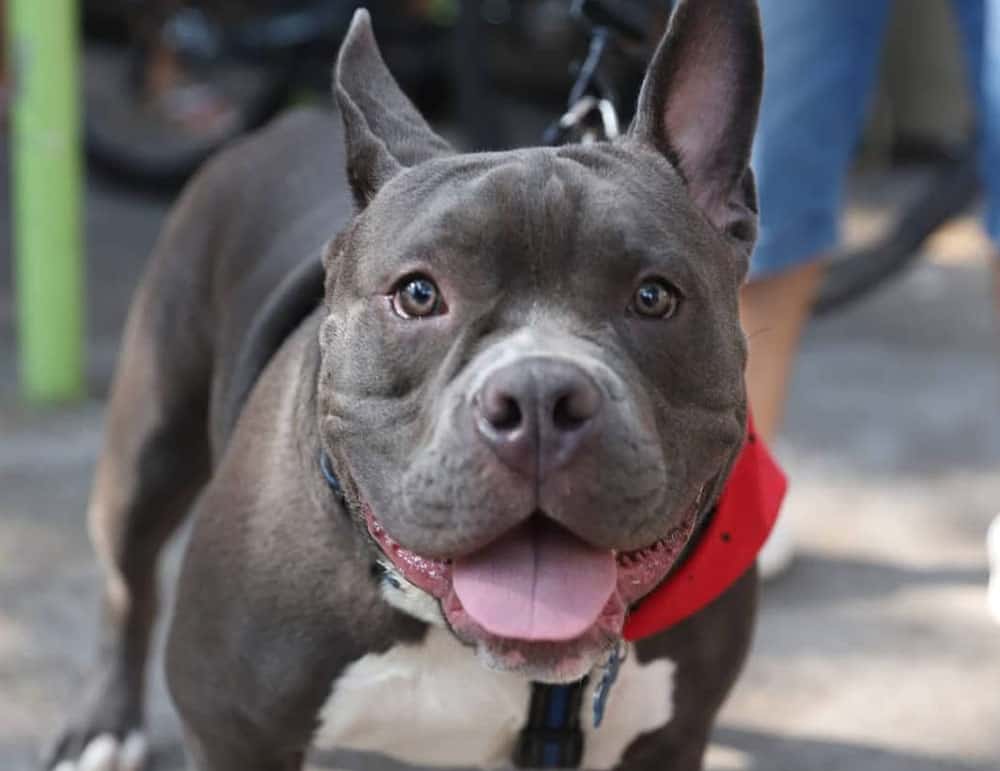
(434,704)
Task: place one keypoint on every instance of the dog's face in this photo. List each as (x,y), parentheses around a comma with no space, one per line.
(532,378)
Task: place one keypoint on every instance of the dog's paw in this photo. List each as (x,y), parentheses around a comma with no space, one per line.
(104,729)
(101,752)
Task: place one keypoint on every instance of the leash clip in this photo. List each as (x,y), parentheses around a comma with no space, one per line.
(590,96)
(581,117)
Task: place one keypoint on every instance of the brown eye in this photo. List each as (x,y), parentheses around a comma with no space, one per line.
(417,297)
(655,299)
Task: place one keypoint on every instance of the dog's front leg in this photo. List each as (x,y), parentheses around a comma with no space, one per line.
(276,598)
(155,460)
(709,650)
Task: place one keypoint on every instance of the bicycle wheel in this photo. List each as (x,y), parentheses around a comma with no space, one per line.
(134,146)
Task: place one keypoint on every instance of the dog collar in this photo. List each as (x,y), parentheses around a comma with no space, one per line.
(727,547)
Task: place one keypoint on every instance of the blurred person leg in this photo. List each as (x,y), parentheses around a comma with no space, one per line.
(980,22)
(821,66)
(990,112)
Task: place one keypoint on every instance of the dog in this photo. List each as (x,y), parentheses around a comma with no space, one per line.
(445,420)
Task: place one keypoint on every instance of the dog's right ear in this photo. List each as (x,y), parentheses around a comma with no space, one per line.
(384,133)
(698,106)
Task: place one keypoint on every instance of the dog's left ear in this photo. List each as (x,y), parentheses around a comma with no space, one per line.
(698,106)
(384,132)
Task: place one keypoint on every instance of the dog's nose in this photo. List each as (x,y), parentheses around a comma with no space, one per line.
(536,414)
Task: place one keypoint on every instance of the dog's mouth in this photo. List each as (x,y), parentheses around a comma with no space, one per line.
(539,598)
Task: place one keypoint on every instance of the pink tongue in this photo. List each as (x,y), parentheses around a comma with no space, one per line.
(536,583)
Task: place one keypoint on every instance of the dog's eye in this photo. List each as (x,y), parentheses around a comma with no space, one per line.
(655,299)
(417,297)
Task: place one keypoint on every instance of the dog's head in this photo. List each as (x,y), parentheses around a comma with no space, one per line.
(532,376)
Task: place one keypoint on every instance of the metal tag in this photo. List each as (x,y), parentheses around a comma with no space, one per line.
(608,678)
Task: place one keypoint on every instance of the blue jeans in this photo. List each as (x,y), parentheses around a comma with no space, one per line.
(821,66)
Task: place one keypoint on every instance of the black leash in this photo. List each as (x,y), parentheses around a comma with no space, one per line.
(552,737)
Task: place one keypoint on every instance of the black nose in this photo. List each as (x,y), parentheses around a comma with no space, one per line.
(537,413)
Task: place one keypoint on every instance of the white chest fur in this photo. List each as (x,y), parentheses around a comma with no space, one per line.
(435,704)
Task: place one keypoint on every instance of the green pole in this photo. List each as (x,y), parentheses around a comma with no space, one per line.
(46,184)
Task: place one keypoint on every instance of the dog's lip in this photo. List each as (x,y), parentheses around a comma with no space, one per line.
(440,566)
(430,574)
(639,570)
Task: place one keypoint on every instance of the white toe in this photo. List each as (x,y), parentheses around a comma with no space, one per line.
(133,753)
(65,765)
(993,549)
(993,543)
(100,755)
(993,597)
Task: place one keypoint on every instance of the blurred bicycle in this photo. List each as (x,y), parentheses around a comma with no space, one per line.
(167,83)
(197,76)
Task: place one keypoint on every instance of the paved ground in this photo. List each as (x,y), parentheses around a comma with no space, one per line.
(874,653)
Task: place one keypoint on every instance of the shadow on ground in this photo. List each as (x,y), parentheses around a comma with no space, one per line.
(773,752)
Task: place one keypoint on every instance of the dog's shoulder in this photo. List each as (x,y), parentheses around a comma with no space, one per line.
(274,182)
(301,137)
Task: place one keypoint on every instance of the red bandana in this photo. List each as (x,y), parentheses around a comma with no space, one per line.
(728,547)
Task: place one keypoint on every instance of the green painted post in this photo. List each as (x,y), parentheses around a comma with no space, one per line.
(46,186)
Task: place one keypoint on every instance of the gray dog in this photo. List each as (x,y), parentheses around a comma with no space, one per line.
(441,440)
